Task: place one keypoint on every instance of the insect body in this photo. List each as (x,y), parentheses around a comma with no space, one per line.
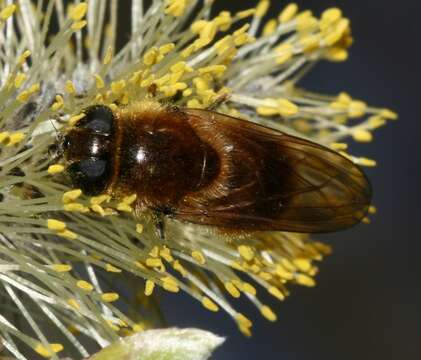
(212,169)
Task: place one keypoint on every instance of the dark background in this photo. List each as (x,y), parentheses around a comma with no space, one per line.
(367,304)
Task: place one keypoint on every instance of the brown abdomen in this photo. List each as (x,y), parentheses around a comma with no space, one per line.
(161,159)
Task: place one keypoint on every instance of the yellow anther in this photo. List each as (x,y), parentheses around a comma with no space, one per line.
(213,69)
(265,275)
(305,21)
(362,135)
(4,136)
(84,285)
(139,228)
(189,50)
(209,304)
(207,34)
(232,290)
(78,11)
(98,209)
(175,7)
(56,225)
(154,252)
(150,285)
(178,267)
(336,54)
(111,268)
(153,262)
(79,25)
(246,252)
(49,351)
(34,88)
(285,52)
(245,13)
(284,273)
(198,26)
(249,289)
(19,79)
(356,109)
(169,284)
(302,264)
(223,20)
(98,200)
(151,57)
(70,87)
(344,98)
(124,207)
(112,325)
(338,146)
(376,121)
(194,104)
(270,27)
(166,48)
(243,320)
(287,264)
(76,207)
(201,84)
(22,58)
(329,17)
(367,162)
(199,257)
(136,77)
(388,114)
(61,268)
(138,327)
(244,330)
(305,280)
(118,86)
(334,36)
(372,209)
(288,13)
(74,119)
(241,30)
(74,304)
(165,253)
(243,39)
(309,42)
(268,313)
(224,45)
(23,96)
(15,138)
(262,8)
(72,195)
(109,297)
(67,234)
(276,293)
(140,265)
(129,199)
(58,104)
(237,266)
(108,56)
(7,12)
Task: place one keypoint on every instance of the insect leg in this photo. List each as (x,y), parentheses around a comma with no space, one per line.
(219,101)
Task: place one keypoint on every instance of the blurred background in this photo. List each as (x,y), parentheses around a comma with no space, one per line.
(367,304)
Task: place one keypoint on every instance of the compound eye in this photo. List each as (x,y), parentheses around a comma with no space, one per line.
(98,118)
(90,175)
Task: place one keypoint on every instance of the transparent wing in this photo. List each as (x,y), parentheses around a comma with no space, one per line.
(269,180)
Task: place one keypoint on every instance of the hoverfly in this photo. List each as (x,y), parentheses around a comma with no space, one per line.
(208,168)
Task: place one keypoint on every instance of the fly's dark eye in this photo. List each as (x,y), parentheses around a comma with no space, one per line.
(90,175)
(98,118)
